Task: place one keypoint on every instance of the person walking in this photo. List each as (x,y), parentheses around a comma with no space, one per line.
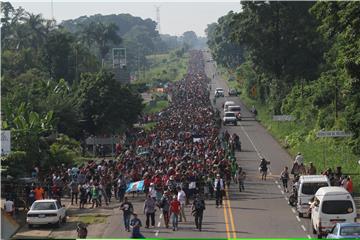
(241,175)
(218,188)
(182,199)
(264,168)
(149,211)
(74,190)
(135,224)
(299,158)
(9,207)
(83,196)
(165,206)
(311,170)
(127,209)
(198,208)
(284,176)
(175,208)
(95,196)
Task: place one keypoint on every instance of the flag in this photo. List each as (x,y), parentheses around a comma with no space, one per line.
(135,186)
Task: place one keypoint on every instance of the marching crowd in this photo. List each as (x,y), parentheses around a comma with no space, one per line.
(183,158)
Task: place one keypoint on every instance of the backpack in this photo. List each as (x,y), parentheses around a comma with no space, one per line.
(199,205)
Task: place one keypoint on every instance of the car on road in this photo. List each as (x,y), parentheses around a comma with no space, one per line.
(229,117)
(233,92)
(308,186)
(236,109)
(48,211)
(219,92)
(345,230)
(227,104)
(331,205)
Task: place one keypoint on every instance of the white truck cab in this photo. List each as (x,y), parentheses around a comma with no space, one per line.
(308,185)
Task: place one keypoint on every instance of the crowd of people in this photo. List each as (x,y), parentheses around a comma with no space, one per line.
(183,158)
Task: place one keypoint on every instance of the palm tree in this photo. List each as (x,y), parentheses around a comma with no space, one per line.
(37,29)
(102,35)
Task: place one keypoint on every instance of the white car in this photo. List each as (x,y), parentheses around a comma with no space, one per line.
(48,211)
(230,117)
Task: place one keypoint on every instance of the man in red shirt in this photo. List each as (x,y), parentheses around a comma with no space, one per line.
(39,193)
(349,185)
(174,212)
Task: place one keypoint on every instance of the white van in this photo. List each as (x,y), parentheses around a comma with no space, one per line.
(227,104)
(308,185)
(332,205)
(236,109)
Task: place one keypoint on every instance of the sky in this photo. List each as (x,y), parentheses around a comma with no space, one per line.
(175,17)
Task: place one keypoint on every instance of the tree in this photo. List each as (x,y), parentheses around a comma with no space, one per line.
(190,38)
(105,106)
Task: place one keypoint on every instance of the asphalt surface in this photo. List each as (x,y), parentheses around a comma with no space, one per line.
(261,211)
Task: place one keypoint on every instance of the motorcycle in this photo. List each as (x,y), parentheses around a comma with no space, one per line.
(293,197)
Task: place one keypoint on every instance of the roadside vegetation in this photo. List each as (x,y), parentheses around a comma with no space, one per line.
(299,59)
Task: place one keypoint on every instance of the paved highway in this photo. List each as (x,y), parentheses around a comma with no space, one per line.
(260,211)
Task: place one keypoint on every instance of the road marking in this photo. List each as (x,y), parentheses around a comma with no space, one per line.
(230,214)
(286,198)
(161,216)
(309,237)
(278,186)
(252,143)
(276,182)
(282,192)
(157,233)
(293,210)
(226,221)
(303,227)
(159,223)
(297,218)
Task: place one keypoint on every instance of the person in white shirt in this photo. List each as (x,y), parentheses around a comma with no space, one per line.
(299,158)
(152,191)
(181,197)
(9,207)
(218,188)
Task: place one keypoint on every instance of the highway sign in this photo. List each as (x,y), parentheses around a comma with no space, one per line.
(333,134)
(283,118)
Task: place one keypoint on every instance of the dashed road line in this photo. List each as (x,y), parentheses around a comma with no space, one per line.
(293,210)
(297,218)
(252,143)
(303,227)
(276,182)
(157,233)
(159,223)
(278,186)
(282,192)
(309,237)
(161,216)
(286,198)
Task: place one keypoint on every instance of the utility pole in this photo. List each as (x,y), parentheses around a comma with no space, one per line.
(158,19)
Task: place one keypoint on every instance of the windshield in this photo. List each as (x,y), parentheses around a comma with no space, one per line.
(337,207)
(350,231)
(229,114)
(44,206)
(235,109)
(311,188)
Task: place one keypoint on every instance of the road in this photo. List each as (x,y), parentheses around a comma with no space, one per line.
(259,212)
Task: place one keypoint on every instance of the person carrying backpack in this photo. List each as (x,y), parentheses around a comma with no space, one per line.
(198,208)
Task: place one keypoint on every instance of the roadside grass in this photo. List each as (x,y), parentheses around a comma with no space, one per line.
(148,126)
(296,137)
(89,219)
(157,107)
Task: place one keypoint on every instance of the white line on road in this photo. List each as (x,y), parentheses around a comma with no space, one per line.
(276,182)
(159,223)
(286,198)
(303,227)
(309,237)
(297,218)
(282,192)
(157,233)
(278,186)
(293,210)
(161,216)
(252,143)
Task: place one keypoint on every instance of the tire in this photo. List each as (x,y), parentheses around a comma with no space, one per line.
(58,223)
(301,215)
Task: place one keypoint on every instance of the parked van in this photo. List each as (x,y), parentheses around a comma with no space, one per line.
(236,109)
(331,205)
(227,104)
(308,185)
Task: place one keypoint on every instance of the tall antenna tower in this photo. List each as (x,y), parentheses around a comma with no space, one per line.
(158,18)
(52,10)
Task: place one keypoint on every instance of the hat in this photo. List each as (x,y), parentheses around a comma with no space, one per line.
(218,175)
